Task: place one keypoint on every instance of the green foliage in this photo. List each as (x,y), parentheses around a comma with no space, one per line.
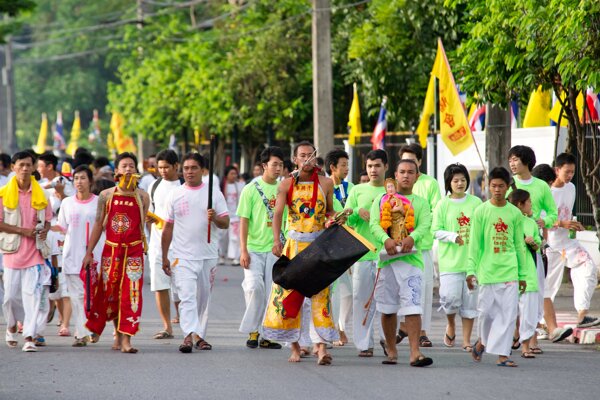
(12,8)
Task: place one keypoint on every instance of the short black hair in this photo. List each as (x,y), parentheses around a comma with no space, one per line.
(364,173)
(302,143)
(49,159)
(563,159)
(100,162)
(378,154)
(500,173)
(101,184)
(84,157)
(21,155)
(320,161)
(272,151)
(523,153)
(455,169)
(287,164)
(413,148)
(5,160)
(518,196)
(87,170)
(167,155)
(196,157)
(406,161)
(544,172)
(125,155)
(333,157)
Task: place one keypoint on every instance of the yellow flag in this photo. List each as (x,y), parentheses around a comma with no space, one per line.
(454,126)
(43,136)
(428,110)
(122,142)
(538,109)
(557,110)
(354,120)
(75,134)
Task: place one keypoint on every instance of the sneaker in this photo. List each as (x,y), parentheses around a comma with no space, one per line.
(80,342)
(252,341)
(588,322)
(542,334)
(267,344)
(560,334)
(29,347)
(39,341)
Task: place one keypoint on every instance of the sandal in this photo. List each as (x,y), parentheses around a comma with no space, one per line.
(468,348)
(527,354)
(325,360)
(448,340)
(202,344)
(79,342)
(175,321)
(477,355)
(507,363)
(64,332)
(267,344)
(131,350)
(425,342)
(536,350)
(401,335)
(366,353)
(516,343)
(11,339)
(422,361)
(94,338)
(390,361)
(39,341)
(384,347)
(304,353)
(163,335)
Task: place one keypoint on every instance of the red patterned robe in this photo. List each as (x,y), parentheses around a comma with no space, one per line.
(119,291)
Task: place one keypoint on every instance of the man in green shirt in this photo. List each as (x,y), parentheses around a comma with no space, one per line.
(336,166)
(255,209)
(365,270)
(429,189)
(497,262)
(398,290)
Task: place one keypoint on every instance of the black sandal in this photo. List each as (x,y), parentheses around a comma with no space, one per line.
(425,342)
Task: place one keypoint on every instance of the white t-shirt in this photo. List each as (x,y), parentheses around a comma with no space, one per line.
(72,218)
(3,180)
(216,181)
(51,192)
(232,196)
(564,197)
(146,181)
(160,196)
(187,209)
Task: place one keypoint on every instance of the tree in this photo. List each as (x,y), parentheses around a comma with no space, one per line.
(12,8)
(515,45)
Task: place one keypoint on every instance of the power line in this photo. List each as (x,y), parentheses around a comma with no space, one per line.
(61,57)
(28,46)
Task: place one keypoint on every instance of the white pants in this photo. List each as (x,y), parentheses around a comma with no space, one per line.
(75,290)
(528,313)
(257,281)
(61,293)
(455,296)
(341,299)
(194,280)
(398,289)
(584,274)
(363,283)
(23,297)
(233,245)
(427,290)
(497,305)
(541,275)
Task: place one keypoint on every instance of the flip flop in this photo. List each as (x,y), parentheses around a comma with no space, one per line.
(163,335)
(390,361)
(185,348)
(338,343)
(383,346)
(477,355)
(449,340)
(536,350)
(527,354)
(468,348)
(422,361)
(325,360)
(401,335)
(516,343)
(64,332)
(131,350)
(366,353)
(507,363)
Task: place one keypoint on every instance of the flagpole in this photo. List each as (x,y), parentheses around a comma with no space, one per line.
(211,155)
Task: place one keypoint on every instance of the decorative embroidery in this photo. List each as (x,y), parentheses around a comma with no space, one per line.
(414,283)
(120,222)
(134,268)
(277,301)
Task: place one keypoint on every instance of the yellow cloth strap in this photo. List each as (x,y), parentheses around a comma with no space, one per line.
(10,195)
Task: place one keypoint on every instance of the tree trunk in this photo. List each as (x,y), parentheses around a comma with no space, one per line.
(498,133)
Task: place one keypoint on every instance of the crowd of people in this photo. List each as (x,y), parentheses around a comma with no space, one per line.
(77,234)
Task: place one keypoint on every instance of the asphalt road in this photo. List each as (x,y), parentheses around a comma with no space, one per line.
(232,371)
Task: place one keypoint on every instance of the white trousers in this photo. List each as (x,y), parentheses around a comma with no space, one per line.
(233,245)
(427,290)
(497,305)
(75,290)
(363,283)
(341,299)
(541,283)
(455,296)
(584,274)
(528,313)
(258,279)
(193,280)
(24,295)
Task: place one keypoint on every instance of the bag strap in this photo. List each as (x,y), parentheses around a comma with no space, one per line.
(154,186)
(268,207)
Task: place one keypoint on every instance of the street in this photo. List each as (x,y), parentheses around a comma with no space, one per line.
(230,370)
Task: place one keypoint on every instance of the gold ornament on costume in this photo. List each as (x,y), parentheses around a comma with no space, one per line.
(127,182)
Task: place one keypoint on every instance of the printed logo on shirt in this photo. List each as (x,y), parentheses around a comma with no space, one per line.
(500,239)
(464,224)
(183,208)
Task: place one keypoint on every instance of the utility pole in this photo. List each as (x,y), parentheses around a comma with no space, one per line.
(497,133)
(322,76)
(8,142)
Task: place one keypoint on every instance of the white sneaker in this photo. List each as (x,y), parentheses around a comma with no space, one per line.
(560,334)
(29,347)
(541,334)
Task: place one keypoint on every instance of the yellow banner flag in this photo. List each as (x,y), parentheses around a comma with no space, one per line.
(454,126)
(558,111)
(43,136)
(538,109)
(75,134)
(355,128)
(428,110)
(122,142)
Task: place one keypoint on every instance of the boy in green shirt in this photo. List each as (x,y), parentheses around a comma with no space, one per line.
(336,166)
(365,270)
(427,188)
(496,260)
(398,290)
(255,209)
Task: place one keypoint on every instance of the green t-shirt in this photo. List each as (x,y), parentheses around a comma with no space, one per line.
(337,205)
(252,207)
(427,188)
(362,196)
(454,216)
(541,199)
(422,228)
(497,247)
(530,228)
